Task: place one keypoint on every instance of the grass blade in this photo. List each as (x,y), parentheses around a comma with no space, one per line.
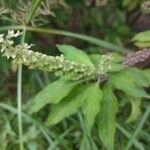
(128,135)
(139,127)
(89,39)
(34,6)
(46,132)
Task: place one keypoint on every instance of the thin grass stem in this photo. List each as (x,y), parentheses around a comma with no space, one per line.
(89,39)
(138,129)
(19,100)
(45,131)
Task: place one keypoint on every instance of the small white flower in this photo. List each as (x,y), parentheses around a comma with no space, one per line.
(10,42)
(43,56)
(26,46)
(1,38)
(61,58)
(25,60)
(3,48)
(13,55)
(17,34)
(30,52)
(11,34)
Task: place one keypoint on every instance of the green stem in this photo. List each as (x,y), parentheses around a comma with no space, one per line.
(82,123)
(60,139)
(19,106)
(19,100)
(137,144)
(45,131)
(139,127)
(89,39)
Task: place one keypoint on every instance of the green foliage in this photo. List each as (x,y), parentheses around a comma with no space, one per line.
(146,72)
(74,54)
(6,131)
(91,106)
(116,62)
(106,118)
(85,144)
(142,44)
(142,39)
(125,83)
(53,93)
(34,6)
(95,58)
(136,108)
(97,106)
(67,96)
(142,36)
(138,76)
(131,4)
(67,106)
(87,96)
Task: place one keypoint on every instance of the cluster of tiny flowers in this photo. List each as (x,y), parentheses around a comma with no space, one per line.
(137,57)
(7,42)
(104,64)
(21,54)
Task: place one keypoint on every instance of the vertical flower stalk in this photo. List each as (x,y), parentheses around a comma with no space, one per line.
(19,99)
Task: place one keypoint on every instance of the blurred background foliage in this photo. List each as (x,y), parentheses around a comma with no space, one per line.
(115,21)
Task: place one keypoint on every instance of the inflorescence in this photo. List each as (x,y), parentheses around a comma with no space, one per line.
(21,54)
(136,58)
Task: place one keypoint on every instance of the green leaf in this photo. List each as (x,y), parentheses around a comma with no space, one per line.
(142,39)
(138,76)
(133,5)
(124,83)
(34,6)
(142,36)
(85,144)
(106,119)
(88,144)
(147,74)
(74,54)
(142,44)
(116,67)
(95,58)
(94,146)
(91,106)
(67,106)
(135,103)
(53,93)
(126,2)
(116,57)
(116,62)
